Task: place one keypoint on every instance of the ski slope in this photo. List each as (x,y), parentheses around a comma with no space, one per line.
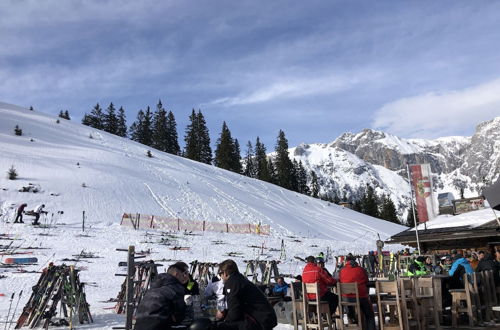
(81,169)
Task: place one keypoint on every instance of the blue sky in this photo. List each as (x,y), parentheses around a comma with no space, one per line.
(314,69)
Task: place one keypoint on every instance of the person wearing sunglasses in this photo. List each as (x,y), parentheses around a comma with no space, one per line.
(163,304)
(247,306)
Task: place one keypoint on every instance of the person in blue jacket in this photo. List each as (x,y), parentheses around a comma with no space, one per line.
(280,288)
(459,267)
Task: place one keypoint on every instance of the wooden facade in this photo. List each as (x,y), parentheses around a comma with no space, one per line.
(484,237)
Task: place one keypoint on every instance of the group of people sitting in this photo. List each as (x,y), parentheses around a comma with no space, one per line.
(243,305)
(456,265)
(350,272)
(240,303)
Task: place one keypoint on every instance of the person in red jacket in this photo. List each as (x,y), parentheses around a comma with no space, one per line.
(314,274)
(352,273)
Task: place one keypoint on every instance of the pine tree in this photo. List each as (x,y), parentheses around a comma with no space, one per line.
(197,139)
(370,205)
(160,130)
(121,129)
(31,108)
(141,128)
(135,128)
(301,175)
(192,148)
(95,119)
(271,170)
(314,185)
(227,151)
(146,130)
(66,115)
(261,162)
(285,173)
(12,173)
(173,143)
(206,150)
(86,120)
(61,114)
(250,168)
(409,219)
(357,205)
(237,167)
(110,121)
(388,210)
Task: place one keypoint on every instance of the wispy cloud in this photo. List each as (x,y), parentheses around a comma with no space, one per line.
(287,89)
(439,114)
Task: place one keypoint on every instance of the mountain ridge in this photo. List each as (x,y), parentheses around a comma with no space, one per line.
(457,163)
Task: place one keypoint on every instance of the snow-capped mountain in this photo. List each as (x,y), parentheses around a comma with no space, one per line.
(346,165)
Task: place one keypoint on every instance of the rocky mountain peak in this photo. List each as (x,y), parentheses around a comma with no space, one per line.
(380,159)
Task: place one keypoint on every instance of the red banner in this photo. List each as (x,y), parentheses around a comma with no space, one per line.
(422,186)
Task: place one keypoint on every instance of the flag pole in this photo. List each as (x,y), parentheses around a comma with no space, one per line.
(413,208)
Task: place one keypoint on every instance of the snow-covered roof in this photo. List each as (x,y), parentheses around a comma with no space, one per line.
(471,219)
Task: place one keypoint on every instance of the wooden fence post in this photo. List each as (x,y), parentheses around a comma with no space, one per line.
(129,307)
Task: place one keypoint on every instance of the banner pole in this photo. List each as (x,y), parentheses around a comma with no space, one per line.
(413,208)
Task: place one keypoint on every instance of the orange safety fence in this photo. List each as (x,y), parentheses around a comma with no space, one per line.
(144,221)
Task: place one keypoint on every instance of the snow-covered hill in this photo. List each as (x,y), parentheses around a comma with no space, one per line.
(345,166)
(82,169)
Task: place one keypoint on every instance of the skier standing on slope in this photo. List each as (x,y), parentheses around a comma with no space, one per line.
(38,210)
(20,211)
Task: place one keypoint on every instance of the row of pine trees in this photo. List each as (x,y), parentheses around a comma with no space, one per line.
(158,129)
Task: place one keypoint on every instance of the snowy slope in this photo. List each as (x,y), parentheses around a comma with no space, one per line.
(119,177)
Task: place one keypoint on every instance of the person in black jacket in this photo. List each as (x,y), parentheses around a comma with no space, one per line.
(486,262)
(247,306)
(163,304)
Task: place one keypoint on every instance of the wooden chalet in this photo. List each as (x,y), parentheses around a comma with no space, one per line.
(477,230)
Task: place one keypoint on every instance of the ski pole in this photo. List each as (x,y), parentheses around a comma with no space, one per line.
(15,308)
(8,313)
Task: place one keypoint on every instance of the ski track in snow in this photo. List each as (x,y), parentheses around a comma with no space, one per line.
(160,202)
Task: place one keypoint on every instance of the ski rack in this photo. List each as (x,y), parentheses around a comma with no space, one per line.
(137,282)
(202,272)
(267,269)
(57,284)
